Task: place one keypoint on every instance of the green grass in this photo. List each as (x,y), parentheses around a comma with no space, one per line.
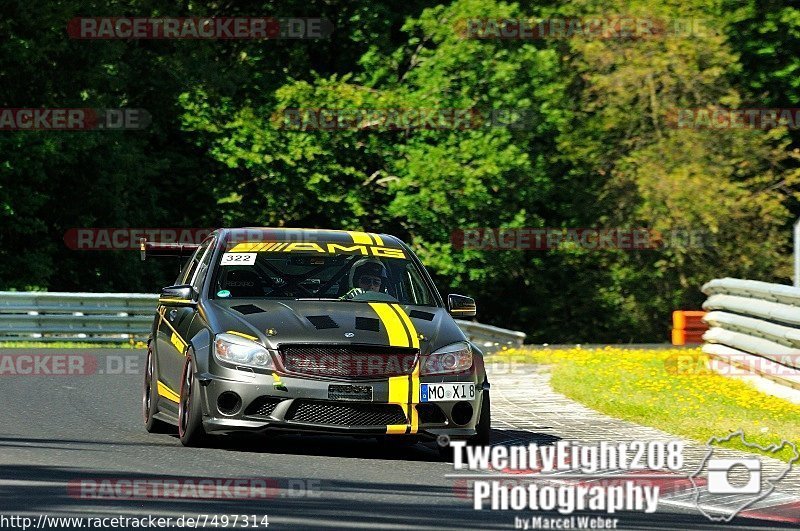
(670,390)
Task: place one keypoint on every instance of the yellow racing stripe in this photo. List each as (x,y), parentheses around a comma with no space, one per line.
(412,407)
(398,389)
(398,394)
(403,390)
(174,301)
(178,342)
(412,332)
(392,323)
(166,392)
(175,339)
(245,247)
(360,237)
(246,336)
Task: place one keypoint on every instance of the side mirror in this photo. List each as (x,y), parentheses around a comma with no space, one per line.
(461,306)
(177,295)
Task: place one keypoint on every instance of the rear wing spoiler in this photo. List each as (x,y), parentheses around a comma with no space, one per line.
(174,250)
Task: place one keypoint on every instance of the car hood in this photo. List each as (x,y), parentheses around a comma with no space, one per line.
(335,322)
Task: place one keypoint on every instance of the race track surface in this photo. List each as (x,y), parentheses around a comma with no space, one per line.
(60,429)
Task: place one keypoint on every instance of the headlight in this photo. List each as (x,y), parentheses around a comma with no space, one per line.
(447,360)
(240,351)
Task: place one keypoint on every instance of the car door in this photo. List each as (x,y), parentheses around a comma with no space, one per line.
(174,321)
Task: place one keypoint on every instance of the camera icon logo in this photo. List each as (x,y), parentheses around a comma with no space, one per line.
(737,482)
(721,474)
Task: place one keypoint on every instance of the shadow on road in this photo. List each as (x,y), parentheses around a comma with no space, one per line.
(337,503)
(342,504)
(326,445)
(358,447)
(520,437)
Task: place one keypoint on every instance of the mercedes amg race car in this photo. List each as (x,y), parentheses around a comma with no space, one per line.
(309,330)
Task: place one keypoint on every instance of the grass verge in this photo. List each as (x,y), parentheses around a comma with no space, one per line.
(671,390)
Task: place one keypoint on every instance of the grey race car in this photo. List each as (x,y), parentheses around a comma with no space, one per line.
(310,330)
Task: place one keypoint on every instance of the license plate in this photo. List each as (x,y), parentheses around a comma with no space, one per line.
(446,392)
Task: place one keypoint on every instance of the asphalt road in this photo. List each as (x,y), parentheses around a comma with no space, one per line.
(59,430)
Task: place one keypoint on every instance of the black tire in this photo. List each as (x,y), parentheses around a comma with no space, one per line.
(190,412)
(484,427)
(446,453)
(150,397)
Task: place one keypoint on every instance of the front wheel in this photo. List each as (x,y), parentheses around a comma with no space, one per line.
(484,427)
(190,413)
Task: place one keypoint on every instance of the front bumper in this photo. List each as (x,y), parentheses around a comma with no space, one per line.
(245,401)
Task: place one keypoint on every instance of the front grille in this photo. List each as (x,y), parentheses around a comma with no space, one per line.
(263,406)
(331,414)
(348,361)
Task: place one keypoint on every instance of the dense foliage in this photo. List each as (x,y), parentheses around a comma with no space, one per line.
(599,148)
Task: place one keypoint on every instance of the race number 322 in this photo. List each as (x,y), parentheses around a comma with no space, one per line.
(238,259)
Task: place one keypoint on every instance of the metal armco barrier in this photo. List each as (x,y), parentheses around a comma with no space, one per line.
(491,336)
(118,317)
(756,326)
(95,317)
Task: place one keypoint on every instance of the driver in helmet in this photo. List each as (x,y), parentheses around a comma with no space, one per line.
(367,274)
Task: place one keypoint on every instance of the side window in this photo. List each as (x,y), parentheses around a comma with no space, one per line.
(184,270)
(202,268)
(415,287)
(188,272)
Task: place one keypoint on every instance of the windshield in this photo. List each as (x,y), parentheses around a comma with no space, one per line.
(296,272)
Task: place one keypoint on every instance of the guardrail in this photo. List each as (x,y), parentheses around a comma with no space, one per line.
(490,337)
(755,326)
(119,317)
(92,317)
